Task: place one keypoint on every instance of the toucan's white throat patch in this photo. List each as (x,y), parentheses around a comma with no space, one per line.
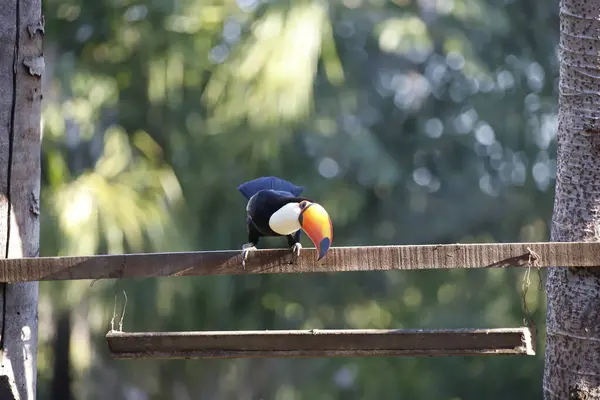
(285,220)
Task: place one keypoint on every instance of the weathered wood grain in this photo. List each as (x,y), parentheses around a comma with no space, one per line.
(279,261)
(21,68)
(321,343)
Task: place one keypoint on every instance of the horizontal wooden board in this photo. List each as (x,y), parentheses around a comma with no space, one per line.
(321,343)
(277,261)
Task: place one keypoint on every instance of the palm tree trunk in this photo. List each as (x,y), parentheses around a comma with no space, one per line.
(572,365)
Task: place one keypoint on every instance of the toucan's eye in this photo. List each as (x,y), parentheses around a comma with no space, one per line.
(302,205)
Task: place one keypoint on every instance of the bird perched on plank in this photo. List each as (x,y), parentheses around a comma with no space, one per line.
(275,208)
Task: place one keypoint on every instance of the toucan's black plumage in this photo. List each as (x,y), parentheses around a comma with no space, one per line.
(250,188)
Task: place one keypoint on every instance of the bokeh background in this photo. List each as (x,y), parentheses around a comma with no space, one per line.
(411,121)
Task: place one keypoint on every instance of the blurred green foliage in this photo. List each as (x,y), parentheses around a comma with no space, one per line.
(429,121)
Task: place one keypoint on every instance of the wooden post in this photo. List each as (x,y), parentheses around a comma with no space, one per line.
(21,68)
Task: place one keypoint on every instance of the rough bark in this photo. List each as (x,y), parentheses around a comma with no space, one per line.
(572,365)
(21,68)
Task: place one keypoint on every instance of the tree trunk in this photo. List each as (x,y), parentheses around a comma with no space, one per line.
(21,67)
(61,371)
(572,366)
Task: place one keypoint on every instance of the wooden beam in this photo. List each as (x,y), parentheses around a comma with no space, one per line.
(339,259)
(279,261)
(321,343)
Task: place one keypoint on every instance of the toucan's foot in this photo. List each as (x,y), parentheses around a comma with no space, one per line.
(296,249)
(246,248)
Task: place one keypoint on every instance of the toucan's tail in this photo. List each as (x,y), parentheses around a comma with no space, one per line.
(250,188)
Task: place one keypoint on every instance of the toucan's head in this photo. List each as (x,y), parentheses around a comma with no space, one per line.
(315,221)
(298,213)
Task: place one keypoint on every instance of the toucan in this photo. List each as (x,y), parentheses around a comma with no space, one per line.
(275,208)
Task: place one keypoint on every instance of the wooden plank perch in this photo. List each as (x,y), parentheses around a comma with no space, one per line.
(277,261)
(321,343)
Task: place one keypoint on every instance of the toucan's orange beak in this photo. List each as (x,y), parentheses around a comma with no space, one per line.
(316,223)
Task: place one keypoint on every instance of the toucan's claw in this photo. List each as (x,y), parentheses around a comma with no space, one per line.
(246,248)
(296,249)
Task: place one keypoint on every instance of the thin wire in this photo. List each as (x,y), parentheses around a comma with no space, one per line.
(112,321)
(123,315)
(534,260)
